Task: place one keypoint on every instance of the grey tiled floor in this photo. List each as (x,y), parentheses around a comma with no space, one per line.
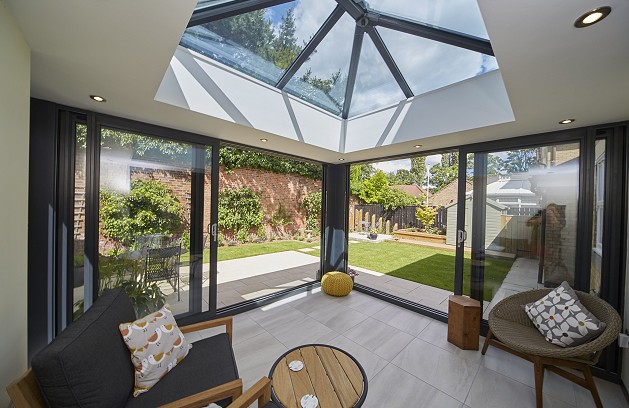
(406,356)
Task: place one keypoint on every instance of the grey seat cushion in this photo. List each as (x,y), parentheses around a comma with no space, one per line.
(271,404)
(88,364)
(209,363)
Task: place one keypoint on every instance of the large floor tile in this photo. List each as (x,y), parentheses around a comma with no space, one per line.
(378,337)
(395,388)
(363,303)
(522,370)
(255,357)
(403,319)
(611,395)
(299,332)
(337,317)
(493,390)
(371,363)
(436,333)
(439,368)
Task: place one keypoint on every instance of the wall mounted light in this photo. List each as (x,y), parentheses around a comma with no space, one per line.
(264,140)
(592,17)
(98,98)
(566,121)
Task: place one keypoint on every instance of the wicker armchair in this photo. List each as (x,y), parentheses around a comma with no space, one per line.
(510,329)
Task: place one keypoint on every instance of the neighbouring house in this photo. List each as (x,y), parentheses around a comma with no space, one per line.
(411,189)
(448,194)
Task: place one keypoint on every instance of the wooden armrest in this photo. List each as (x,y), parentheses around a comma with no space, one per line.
(24,392)
(260,391)
(231,389)
(223,321)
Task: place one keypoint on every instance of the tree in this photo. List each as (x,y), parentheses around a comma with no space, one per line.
(418,169)
(519,161)
(252,31)
(285,47)
(150,208)
(374,188)
(401,177)
(358,173)
(442,174)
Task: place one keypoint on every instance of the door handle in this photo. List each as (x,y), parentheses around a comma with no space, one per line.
(214,231)
(461,237)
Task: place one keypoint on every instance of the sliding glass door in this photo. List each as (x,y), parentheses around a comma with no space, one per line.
(522,219)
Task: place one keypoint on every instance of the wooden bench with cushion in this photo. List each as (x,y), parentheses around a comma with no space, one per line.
(89,365)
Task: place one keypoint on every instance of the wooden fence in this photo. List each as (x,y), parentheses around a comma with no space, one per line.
(375,216)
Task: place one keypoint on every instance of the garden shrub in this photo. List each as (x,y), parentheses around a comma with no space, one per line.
(426,215)
(149,208)
(238,211)
(312,204)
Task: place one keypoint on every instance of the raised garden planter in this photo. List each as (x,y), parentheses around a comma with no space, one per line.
(421,236)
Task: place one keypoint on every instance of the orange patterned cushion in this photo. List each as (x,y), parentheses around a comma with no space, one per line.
(157,346)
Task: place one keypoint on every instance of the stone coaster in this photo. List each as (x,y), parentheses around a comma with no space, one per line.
(306,249)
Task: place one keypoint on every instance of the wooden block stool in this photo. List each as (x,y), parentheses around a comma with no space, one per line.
(463,322)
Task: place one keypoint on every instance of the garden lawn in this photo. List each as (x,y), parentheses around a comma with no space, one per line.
(425,265)
(226,253)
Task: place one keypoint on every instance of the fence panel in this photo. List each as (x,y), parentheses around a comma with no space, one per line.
(404,217)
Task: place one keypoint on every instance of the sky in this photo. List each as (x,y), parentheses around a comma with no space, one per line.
(426,65)
(395,165)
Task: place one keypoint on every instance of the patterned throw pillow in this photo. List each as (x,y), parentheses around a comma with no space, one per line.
(562,319)
(157,346)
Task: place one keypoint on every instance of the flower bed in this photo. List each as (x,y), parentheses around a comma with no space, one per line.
(420,236)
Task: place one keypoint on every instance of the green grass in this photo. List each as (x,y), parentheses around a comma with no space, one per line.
(226,253)
(425,265)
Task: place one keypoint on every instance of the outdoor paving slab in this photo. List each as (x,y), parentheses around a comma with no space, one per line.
(306,249)
(260,265)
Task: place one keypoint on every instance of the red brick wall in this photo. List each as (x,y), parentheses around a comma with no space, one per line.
(274,189)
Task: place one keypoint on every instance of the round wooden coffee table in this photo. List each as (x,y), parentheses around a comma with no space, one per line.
(333,376)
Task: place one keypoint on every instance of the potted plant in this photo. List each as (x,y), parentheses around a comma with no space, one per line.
(373,234)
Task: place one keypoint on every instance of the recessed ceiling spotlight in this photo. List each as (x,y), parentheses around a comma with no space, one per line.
(566,121)
(98,98)
(592,16)
(417,146)
(264,140)
(341,159)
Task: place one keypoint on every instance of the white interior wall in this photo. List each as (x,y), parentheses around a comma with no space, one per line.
(14,136)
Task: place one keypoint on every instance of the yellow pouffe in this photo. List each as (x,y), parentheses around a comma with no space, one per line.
(337,283)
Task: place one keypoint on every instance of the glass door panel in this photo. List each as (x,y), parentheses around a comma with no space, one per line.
(78,222)
(269,224)
(598,216)
(145,202)
(527,234)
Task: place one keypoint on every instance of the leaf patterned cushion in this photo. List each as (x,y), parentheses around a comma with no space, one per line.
(157,346)
(562,319)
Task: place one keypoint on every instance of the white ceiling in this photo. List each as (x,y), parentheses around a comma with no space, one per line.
(121,49)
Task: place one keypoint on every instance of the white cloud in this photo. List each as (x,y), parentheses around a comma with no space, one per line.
(426,65)
(393,165)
